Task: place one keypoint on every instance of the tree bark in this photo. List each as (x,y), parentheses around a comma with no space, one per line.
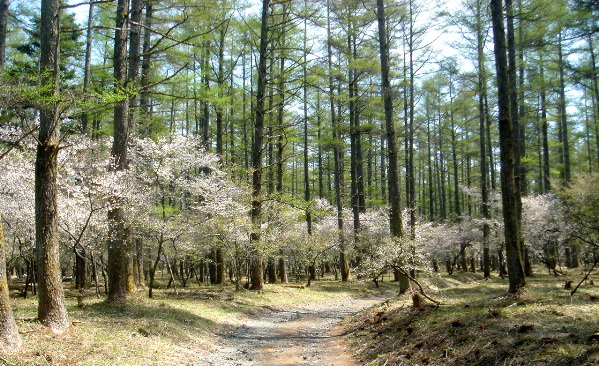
(395,222)
(52,310)
(482,144)
(563,121)
(3,30)
(257,266)
(544,132)
(338,158)
(87,64)
(512,224)
(118,244)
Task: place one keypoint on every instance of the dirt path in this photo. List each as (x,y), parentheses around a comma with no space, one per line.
(305,335)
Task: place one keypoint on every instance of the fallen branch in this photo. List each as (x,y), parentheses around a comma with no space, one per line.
(407,274)
(583,279)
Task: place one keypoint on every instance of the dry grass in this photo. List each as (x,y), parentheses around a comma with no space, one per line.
(161,331)
(478,326)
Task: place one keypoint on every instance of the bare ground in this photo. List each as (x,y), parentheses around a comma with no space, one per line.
(306,335)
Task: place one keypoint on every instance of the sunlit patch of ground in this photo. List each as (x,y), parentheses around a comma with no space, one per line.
(476,325)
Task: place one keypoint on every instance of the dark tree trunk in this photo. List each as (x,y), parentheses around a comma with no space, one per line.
(221,86)
(271,269)
(3,30)
(80,268)
(87,64)
(119,242)
(395,222)
(509,189)
(220,266)
(544,133)
(283,270)
(307,192)
(338,157)
(134,60)
(144,98)
(482,144)
(257,266)
(563,122)
(52,311)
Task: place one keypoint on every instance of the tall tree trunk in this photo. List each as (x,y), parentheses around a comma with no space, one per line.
(338,158)
(4,4)
(118,244)
(134,59)
(144,99)
(482,143)
(395,222)
(52,311)
(307,193)
(205,120)
(512,225)
(87,64)
(354,134)
(257,268)
(544,132)
(563,122)
(221,86)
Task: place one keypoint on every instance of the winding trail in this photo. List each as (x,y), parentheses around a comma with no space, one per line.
(306,335)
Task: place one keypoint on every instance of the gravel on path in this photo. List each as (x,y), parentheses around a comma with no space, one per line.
(302,336)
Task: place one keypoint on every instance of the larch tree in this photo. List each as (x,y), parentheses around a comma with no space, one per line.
(257,265)
(338,157)
(118,241)
(395,221)
(52,311)
(512,224)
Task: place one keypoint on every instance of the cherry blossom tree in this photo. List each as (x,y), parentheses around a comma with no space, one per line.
(182,192)
(10,340)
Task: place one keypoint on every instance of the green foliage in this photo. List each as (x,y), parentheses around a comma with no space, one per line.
(71,50)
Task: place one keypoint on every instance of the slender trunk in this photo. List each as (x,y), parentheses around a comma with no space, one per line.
(338,157)
(512,225)
(563,122)
(4,4)
(154,266)
(144,99)
(87,64)
(544,133)
(221,86)
(482,144)
(395,222)
(134,58)
(257,267)
(307,193)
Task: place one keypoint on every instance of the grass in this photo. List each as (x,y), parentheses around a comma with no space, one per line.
(477,326)
(163,330)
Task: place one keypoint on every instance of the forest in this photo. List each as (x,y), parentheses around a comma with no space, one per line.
(154,146)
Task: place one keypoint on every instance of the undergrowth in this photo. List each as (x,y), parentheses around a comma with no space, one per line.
(478,325)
